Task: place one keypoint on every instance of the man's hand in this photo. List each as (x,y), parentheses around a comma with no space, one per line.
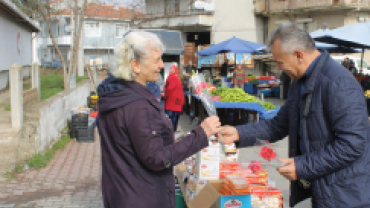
(288,171)
(230,134)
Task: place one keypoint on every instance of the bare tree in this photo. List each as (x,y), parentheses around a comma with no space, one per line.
(79,22)
(48,15)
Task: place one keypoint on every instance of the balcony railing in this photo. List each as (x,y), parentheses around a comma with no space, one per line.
(61,40)
(280,5)
(189,12)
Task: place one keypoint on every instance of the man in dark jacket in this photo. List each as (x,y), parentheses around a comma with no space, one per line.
(326,119)
(224,68)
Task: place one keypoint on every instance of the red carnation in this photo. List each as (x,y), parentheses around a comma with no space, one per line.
(268,153)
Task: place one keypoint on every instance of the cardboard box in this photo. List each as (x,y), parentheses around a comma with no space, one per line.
(233,201)
(209,196)
(272,196)
(207,163)
(208,170)
(195,184)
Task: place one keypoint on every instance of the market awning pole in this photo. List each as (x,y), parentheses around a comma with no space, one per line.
(235,60)
(362,58)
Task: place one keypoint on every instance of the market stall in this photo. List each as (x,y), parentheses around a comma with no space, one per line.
(239,112)
(209,180)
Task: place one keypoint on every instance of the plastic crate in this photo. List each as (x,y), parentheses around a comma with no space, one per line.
(80,118)
(85,133)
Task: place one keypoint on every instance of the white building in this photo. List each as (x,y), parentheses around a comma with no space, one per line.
(103,28)
(206,22)
(15,39)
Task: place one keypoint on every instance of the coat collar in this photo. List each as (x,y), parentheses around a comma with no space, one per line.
(145,92)
(317,68)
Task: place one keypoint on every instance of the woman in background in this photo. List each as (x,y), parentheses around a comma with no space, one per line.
(174,96)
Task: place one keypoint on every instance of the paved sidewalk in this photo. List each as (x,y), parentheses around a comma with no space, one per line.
(71,180)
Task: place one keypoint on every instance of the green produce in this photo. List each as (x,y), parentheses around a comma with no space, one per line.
(254,81)
(252,76)
(268,106)
(219,91)
(237,95)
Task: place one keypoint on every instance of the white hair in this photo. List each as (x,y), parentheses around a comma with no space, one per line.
(291,37)
(135,45)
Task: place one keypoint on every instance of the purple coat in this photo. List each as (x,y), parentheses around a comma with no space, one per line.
(138,149)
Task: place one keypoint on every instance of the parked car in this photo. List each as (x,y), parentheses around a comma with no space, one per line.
(53,64)
(356,61)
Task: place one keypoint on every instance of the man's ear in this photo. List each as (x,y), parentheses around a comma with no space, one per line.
(298,54)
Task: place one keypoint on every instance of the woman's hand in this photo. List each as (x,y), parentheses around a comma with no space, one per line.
(211,125)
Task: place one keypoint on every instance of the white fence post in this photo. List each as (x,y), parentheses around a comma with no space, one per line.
(16,95)
(36,78)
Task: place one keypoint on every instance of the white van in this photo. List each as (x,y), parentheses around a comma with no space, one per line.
(357,61)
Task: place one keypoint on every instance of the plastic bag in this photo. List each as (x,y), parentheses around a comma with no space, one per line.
(199,85)
(264,149)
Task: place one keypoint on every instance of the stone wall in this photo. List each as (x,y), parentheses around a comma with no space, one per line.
(30,96)
(43,122)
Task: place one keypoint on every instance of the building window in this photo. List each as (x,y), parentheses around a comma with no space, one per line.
(121,29)
(92,29)
(44,30)
(171,6)
(45,53)
(306,26)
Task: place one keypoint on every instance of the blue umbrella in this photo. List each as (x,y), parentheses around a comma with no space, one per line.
(232,45)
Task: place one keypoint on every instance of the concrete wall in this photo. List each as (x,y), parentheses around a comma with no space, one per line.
(57,112)
(236,18)
(332,20)
(154,6)
(44,121)
(15,42)
(158,6)
(4,79)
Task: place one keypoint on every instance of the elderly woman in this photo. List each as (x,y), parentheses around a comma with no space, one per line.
(137,140)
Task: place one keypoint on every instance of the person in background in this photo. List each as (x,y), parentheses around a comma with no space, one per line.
(346,63)
(238,77)
(137,139)
(352,68)
(224,68)
(325,117)
(174,96)
(160,83)
(154,87)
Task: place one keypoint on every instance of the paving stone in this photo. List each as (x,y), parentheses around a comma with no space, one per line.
(58,185)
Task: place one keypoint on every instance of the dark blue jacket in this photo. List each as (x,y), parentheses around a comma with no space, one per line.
(334,133)
(156,90)
(137,147)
